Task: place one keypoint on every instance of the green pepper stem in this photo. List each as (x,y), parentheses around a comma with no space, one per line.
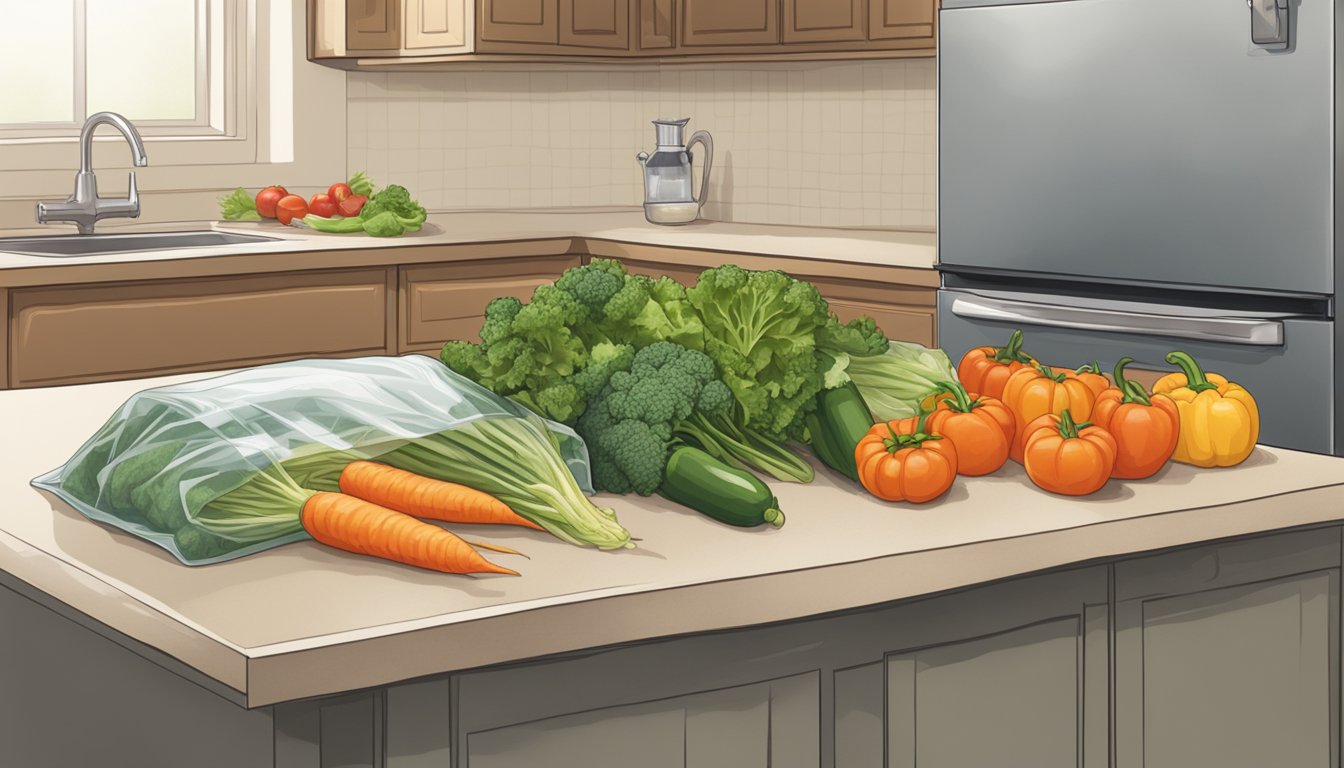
(1132,390)
(1012,352)
(1194,375)
(1067,427)
(1047,373)
(961,399)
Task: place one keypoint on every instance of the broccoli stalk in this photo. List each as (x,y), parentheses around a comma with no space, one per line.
(669,395)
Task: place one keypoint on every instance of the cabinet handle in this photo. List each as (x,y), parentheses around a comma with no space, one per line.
(1219,329)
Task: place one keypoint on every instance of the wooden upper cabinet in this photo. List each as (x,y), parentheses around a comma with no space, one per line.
(657,27)
(595,24)
(818,21)
(372,25)
(721,23)
(435,24)
(902,20)
(517,21)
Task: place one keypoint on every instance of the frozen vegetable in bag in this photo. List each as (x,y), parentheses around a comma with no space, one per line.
(194,467)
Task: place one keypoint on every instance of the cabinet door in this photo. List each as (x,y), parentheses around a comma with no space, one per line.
(904,313)
(901,20)
(1013,675)
(595,24)
(657,24)
(435,24)
(1228,655)
(447,301)
(372,25)
(77,334)
(719,23)
(518,21)
(819,21)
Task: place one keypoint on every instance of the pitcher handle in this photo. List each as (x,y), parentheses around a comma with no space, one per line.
(704,138)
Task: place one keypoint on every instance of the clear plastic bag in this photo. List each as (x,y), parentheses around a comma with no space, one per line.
(169,452)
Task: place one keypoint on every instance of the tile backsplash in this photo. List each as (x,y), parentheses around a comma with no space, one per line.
(817,144)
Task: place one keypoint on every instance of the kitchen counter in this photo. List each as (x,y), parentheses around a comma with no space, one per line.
(305,620)
(296,248)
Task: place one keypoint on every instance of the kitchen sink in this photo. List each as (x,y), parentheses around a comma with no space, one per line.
(92,245)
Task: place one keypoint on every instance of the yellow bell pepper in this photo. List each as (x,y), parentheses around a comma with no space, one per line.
(1219,419)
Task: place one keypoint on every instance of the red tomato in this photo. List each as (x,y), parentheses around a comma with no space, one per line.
(289,208)
(340,191)
(267,198)
(322,205)
(352,205)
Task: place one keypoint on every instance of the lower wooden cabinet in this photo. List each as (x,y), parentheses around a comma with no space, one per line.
(441,302)
(86,333)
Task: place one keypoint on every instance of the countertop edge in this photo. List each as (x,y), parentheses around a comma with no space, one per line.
(744,602)
(101,607)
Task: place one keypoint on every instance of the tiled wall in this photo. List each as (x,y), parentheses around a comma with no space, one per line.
(821,144)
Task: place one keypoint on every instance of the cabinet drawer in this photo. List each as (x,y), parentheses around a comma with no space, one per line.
(447,301)
(76,334)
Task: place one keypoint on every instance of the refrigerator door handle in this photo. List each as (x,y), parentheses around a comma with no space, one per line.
(1270,23)
(1216,329)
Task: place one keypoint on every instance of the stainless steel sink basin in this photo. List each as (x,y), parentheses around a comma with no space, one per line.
(93,245)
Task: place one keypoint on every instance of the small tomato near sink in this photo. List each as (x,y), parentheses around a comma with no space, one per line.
(289,208)
(267,199)
(340,191)
(322,205)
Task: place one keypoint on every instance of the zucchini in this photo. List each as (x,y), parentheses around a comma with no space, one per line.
(839,421)
(727,494)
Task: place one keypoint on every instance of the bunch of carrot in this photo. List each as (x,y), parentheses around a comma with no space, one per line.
(376,514)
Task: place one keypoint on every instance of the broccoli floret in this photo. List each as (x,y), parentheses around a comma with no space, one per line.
(135,471)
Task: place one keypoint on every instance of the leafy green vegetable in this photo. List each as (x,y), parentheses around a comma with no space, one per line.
(761,329)
(360,184)
(894,383)
(335,225)
(238,205)
(669,394)
(539,353)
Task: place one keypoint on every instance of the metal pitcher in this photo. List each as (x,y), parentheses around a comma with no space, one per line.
(668,197)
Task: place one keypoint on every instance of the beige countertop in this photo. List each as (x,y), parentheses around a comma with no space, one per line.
(304,620)
(857,246)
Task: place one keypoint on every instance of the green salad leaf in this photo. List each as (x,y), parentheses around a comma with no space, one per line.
(238,205)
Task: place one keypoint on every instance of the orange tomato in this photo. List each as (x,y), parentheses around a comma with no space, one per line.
(1037,390)
(986,369)
(905,467)
(1061,457)
(1145,427)
(980,427)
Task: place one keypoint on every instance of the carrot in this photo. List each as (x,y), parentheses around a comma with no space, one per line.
(426,497)
(364,528)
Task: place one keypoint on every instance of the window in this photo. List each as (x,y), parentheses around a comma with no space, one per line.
(167,65)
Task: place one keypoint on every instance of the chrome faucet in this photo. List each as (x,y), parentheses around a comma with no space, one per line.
(85,207)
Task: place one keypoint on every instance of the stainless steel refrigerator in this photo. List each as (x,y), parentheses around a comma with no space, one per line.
(1128,177)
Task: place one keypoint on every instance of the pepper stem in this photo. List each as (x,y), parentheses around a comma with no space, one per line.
(1068,429)
(1194,375)
(961,399)
(1048,373)
(897,442)
(1012,351)
(1133,390)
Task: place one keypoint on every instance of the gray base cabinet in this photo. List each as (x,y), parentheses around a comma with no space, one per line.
(1220,655)
(1228,655)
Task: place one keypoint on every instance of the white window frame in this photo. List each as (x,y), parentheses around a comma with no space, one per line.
(287,126)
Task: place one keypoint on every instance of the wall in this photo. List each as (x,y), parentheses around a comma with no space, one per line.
(822,144)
